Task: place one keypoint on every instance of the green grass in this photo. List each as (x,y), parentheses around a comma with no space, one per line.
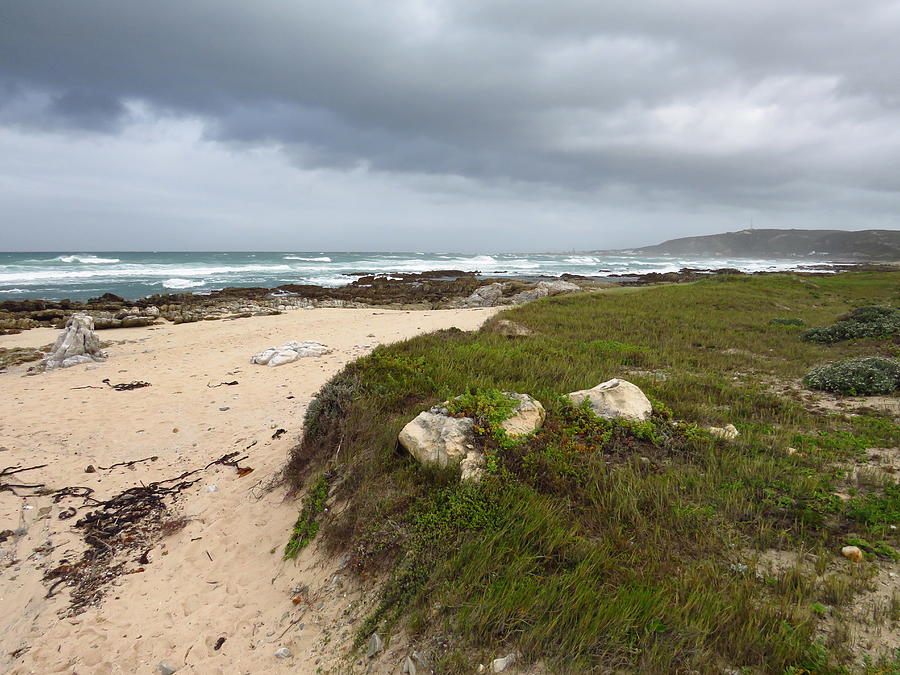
(599,546)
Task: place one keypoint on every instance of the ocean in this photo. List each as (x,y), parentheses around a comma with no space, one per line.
(78,276)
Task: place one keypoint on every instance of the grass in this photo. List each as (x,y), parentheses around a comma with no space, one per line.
(597,546)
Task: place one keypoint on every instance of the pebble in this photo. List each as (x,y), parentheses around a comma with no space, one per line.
(166,669)
(409,667)
(852,553)
(212,488)
(225,408)
(90,469)
(283,653)
(376,644)
(501,664)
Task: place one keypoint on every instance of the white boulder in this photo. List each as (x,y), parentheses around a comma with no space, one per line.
(729,432)
(485,296)
(527,416)
(77,344)
(289,352)
(282,356)
(616,399)
(435,437)
(544,289)
(558,287)
(535,293)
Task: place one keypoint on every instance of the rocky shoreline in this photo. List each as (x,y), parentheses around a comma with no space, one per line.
(427,290)
(436,289)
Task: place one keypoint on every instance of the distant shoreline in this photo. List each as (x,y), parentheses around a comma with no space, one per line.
(55,276)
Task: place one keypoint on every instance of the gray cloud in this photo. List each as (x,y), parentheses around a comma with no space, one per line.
(784,108)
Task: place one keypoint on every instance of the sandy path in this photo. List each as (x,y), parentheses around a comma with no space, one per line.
(220,576)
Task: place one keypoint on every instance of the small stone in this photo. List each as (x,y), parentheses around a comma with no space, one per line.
(376,644)
(409,667)
(166,669)
(729,432)
(90,469)
(852,553)
(175,430)
(212,488)
(225,408)
(501,664)
(283,653)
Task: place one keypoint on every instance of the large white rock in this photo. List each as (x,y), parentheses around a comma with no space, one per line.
(262,358)
(485,296)
(544,289)
(282,356)
(616,399)
(558,287)
(78,343)
(535,293)
(527,416)
(289,352)
(434,437)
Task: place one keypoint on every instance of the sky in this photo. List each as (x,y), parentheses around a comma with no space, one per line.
(468,125)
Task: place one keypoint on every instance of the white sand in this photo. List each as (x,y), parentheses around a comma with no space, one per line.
(222,575)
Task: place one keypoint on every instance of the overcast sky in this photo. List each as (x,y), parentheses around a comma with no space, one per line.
(471,125)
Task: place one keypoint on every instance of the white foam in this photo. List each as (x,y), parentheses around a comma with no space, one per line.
(182,283)
(86,259)
(132,271)
(297,257)
(13,290)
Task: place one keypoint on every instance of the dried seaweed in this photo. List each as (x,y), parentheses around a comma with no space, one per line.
(125,386)
(120,533)
(12,487)
(129,463)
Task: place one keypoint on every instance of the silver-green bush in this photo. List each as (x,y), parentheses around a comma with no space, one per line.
(857,377)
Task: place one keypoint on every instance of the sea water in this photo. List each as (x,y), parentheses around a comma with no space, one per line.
(81,275)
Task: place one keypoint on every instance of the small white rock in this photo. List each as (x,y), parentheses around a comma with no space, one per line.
(375,645)
(852,553)
(166,669)
(501,664)
(283,653)
(729,432)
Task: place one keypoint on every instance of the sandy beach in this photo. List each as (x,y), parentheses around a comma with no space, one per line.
(222,574)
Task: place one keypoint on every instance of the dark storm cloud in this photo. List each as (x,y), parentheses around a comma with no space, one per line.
(751,105)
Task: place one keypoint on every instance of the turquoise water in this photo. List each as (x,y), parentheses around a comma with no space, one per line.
(80,275)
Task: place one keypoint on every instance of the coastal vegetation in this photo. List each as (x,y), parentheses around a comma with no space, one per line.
(595,545)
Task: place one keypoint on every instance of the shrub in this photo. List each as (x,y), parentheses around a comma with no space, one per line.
(781,321)
(872,321)
(856,377)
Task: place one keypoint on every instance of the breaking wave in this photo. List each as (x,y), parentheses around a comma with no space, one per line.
(182,283)
(85,259)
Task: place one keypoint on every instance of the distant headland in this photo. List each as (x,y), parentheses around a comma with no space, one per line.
(771,243)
